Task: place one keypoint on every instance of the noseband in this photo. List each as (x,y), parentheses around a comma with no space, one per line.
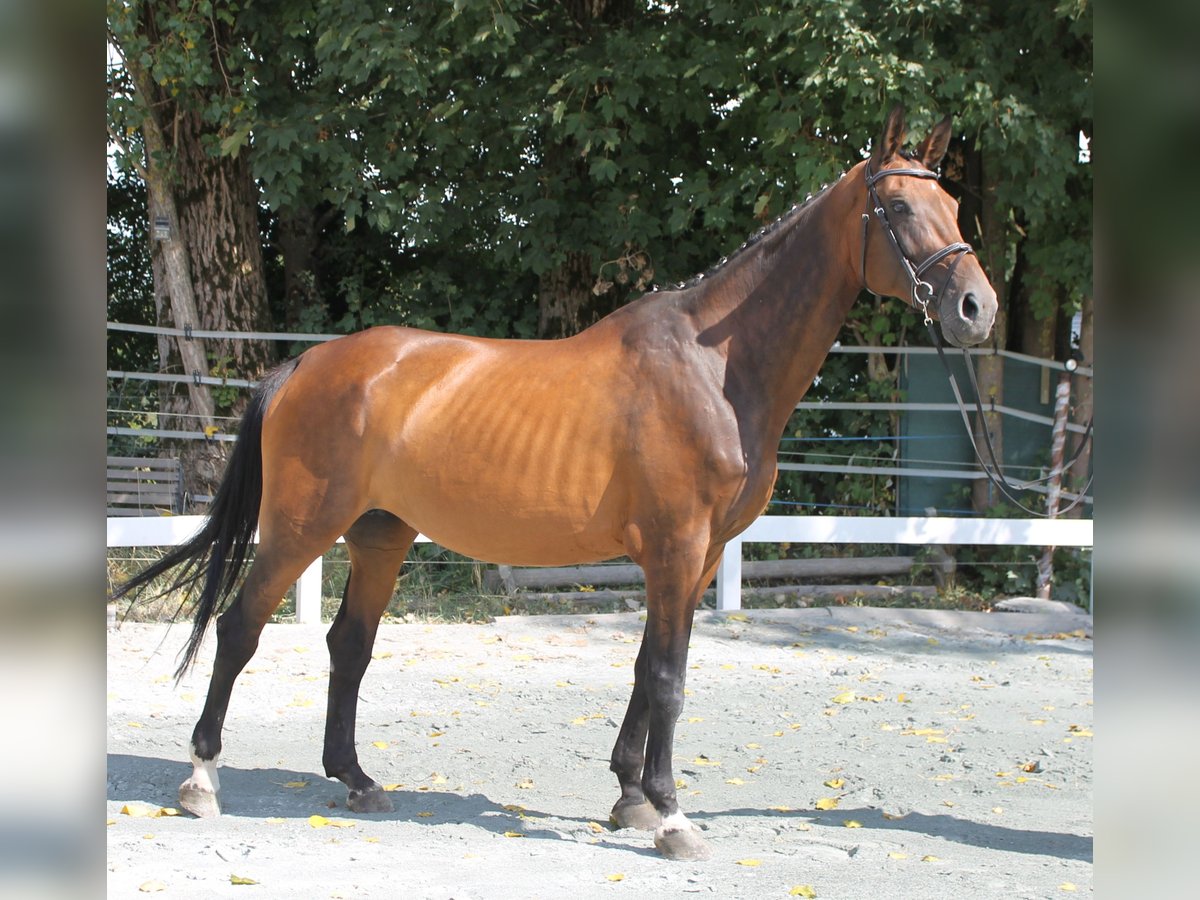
(922,291)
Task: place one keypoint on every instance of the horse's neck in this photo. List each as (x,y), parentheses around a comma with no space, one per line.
(777,308)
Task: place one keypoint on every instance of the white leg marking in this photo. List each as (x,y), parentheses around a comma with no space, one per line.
(204,772)
(677,821)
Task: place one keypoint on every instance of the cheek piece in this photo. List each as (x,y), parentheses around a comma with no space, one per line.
(922,291)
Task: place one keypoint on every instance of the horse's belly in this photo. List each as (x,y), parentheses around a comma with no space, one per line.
(519,536)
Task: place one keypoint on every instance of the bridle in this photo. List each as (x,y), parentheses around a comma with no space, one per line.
(922,294)
(922,290)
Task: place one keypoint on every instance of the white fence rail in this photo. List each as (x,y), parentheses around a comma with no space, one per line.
(169,531)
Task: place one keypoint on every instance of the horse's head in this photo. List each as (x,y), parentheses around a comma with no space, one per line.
(911,245)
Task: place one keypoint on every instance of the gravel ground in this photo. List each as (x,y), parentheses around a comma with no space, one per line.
(955,750)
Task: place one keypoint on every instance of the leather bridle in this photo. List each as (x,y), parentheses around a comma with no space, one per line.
(922,294)
(922,290)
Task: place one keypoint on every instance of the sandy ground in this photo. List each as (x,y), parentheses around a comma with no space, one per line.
(957,746)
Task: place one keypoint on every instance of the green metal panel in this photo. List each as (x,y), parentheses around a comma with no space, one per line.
(939,440)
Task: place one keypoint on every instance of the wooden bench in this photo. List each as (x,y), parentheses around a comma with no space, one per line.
(143,486)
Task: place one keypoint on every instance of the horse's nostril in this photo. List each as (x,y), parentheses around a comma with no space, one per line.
(968,308)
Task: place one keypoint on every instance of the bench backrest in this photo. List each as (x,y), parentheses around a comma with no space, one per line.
(143,486)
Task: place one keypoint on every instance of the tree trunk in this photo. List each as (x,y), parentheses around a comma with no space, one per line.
(298,239)
(562,295)
(218,213)
(993,253)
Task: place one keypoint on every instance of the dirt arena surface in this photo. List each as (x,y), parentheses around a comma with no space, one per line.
(846,753)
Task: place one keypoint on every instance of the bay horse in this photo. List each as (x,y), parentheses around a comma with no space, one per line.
(652,434)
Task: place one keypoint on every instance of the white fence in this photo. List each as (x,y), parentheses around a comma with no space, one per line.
(163,531)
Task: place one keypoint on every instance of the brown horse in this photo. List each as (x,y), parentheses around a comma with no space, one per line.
(652,434)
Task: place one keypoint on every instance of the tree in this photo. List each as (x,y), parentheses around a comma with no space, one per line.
(177,81)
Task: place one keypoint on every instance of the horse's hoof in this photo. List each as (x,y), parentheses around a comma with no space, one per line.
(642,816)
(372,800)
(681,843)
(199,801)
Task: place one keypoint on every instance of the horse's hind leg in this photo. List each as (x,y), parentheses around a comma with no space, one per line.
(276,566)
(378,543)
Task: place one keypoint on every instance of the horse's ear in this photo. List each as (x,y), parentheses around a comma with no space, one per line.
(892,138)
(933,148)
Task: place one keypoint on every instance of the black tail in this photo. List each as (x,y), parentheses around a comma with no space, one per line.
(217,553)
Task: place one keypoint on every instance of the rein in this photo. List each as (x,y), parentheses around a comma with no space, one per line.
(922,293)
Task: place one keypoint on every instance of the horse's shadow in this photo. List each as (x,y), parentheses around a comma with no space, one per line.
(263,793)
(951,828)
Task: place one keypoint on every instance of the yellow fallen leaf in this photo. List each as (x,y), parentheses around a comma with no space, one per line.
(424,815)
(111,822)
(238,879)
(949,803)
(828,803)
(435,778)
(436,734)
(834,783)
(371,840)
(997,809)
(754,746)
(680,784)
(318,821)
(921,732)
(736,781)
(137,810)
(151,887)
(930,859)
(147,837)
(1068,887)
(383,654)
(893,817)
(803,890)
(852,823)
(1080,731)
(135,725)
(393,787)
(692,720)
(274,820)
(704,761)
(595,827)
(342,823)
(615,876)
(749,862)
(897,856)
(902,698)
(513,834)
(382,745)
(525,784)
(844,697)
(737,617)
(295,785)
(782,809)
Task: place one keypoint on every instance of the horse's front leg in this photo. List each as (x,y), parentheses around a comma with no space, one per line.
(633,810)
(675,579)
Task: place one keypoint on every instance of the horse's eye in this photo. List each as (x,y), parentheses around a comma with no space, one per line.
(899,207)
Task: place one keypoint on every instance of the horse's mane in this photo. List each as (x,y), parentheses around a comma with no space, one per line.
(751,242)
